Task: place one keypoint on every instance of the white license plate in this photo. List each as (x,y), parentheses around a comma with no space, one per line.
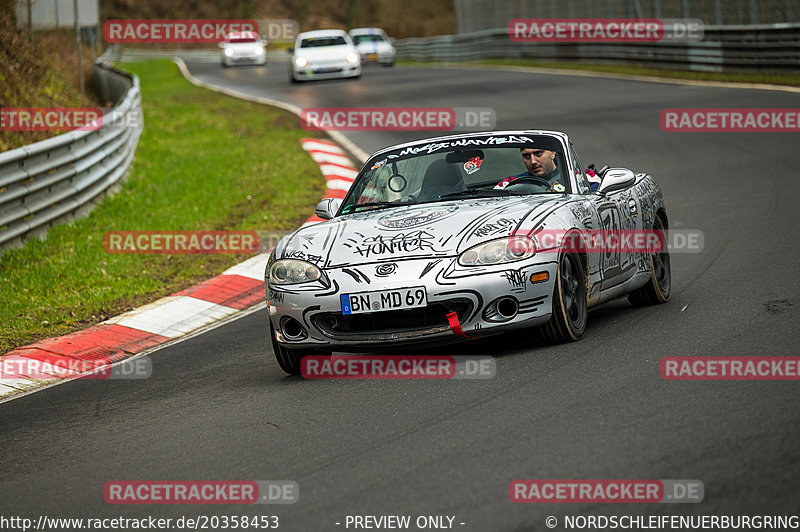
(403,298)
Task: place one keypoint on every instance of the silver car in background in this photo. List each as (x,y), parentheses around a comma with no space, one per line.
(323,54)
(243,47)
(373,45)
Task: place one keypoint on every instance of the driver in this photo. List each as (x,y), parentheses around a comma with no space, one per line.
(540,163)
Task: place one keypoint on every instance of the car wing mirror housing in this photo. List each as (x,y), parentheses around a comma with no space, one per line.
(616,179)
(327,208)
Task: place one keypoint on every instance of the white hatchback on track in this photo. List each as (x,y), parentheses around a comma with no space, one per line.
(323,54)
(373,45)
(243,47)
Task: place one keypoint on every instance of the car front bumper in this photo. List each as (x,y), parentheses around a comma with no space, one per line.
(327,71)
(386,58)
(244,59)
(311,316)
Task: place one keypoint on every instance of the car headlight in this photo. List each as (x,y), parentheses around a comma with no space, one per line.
(301,61)
(293,271)
(351,58)
(259,50)
(500,251)
(229,52)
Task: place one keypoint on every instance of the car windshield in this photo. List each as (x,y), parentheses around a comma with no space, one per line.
(357,39)
(242,40)
(455,169)
(329,40)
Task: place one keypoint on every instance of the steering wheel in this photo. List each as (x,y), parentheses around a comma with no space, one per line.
(536,180)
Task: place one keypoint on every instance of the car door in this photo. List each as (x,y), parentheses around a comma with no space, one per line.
(584,209)
(605,216)
(617,217)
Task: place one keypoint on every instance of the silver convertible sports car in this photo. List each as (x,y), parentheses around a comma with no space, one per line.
(464,236)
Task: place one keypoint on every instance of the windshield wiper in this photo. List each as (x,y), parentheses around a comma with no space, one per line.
(478,192)
(352,208)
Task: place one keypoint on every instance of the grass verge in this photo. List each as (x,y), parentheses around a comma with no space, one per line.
(204,162)
(792,80)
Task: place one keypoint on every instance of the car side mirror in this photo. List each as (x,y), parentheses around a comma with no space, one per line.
(290,50)
(327,208)
(616,179)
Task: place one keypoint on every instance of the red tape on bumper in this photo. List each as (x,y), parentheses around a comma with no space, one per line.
(455,326)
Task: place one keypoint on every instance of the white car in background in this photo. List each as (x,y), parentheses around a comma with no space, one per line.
(243,47)
(373,45)
(323,54)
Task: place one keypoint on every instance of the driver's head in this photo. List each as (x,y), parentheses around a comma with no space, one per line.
(539,162)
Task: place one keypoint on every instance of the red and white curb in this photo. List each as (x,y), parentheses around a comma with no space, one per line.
(335,165)
(239,288)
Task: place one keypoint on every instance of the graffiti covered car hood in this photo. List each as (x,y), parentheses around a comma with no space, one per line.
(418,231)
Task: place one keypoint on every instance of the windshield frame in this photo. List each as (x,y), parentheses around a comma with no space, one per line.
(509,139)
(367,38)
(312,38)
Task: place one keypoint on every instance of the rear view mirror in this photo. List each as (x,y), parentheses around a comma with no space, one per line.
(463,156)
(327,208)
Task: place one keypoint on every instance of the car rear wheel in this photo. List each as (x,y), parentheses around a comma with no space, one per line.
(568,322)
(659,285)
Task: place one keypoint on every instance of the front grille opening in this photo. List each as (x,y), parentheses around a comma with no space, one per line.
(393,321)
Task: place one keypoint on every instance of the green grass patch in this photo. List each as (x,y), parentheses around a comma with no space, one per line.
(629,70)
(204,162)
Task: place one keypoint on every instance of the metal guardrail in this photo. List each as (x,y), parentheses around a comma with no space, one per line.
(764,48)
(477,15)
(57,179)
(127,55)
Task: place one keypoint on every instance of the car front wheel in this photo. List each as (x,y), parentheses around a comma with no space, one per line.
(290,360)
(568,322)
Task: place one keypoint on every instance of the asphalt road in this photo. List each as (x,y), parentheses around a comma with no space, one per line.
(218,407)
